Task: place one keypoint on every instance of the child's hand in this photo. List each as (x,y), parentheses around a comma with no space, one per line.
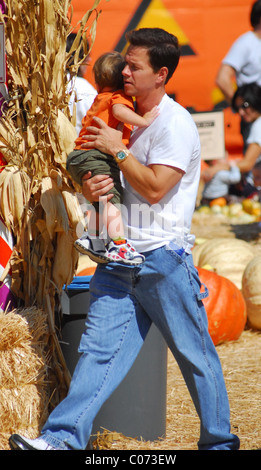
(151,115)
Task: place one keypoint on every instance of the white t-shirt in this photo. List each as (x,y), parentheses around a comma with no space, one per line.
(255,134)
(82,94)
(172,140)
(245,57)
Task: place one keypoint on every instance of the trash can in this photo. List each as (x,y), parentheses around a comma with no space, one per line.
(75,300)
(137,408)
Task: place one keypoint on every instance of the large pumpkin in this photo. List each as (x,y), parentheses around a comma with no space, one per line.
(86,267)
(227,256)
(251,289)
(225,307)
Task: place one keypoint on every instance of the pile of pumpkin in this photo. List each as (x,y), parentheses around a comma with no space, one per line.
(231,270)
(246,211)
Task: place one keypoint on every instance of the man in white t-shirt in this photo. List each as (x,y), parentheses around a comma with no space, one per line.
(161,172)
(169,146)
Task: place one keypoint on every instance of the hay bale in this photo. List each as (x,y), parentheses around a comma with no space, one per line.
(25,385)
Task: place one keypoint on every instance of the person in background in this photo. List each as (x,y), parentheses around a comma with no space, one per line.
(247,102)
(219,185)
(242,63)
(257,178)
(82,92)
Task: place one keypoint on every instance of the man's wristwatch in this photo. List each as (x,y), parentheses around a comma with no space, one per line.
(121,155)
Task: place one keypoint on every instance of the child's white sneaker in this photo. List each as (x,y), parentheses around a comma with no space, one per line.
(93,247)
(124,253)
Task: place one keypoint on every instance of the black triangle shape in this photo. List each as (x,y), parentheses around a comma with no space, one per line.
(186,50)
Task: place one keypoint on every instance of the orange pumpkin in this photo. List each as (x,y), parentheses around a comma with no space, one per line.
(225,307)
(219,201)
(87,271)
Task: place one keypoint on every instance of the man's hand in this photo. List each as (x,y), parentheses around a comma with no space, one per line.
(94,188)
(103,138)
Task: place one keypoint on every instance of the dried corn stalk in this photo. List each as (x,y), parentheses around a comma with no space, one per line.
(37,197)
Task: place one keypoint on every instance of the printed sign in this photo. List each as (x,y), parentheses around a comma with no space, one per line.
(211,133)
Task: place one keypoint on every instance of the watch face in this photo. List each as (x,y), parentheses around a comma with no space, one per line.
(121,155)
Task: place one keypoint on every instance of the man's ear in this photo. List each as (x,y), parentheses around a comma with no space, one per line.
(162,75)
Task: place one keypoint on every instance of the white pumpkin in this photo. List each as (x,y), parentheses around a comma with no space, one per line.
(251,290)
(227,256)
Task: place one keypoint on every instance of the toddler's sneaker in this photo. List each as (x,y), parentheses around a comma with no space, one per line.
(93,247)
(123,253)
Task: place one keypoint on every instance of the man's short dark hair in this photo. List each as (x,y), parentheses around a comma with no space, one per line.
(163,47)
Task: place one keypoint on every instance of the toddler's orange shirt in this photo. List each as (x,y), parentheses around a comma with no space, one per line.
(102,108)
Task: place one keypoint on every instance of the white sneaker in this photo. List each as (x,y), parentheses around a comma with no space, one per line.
(93,247)
(124,253)
(18,442)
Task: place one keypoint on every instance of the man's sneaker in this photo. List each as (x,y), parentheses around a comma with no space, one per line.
(124,253)
(93,247)
(18,442)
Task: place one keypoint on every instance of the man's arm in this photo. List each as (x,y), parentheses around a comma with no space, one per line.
(252,153)
(225,80)
(152,182)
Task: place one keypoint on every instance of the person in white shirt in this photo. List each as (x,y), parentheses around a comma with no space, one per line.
(242,63)
(246,102)
(81,91)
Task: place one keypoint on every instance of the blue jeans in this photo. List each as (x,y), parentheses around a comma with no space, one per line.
(124,301)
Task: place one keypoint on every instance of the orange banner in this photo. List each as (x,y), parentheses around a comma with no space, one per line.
(205,28)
